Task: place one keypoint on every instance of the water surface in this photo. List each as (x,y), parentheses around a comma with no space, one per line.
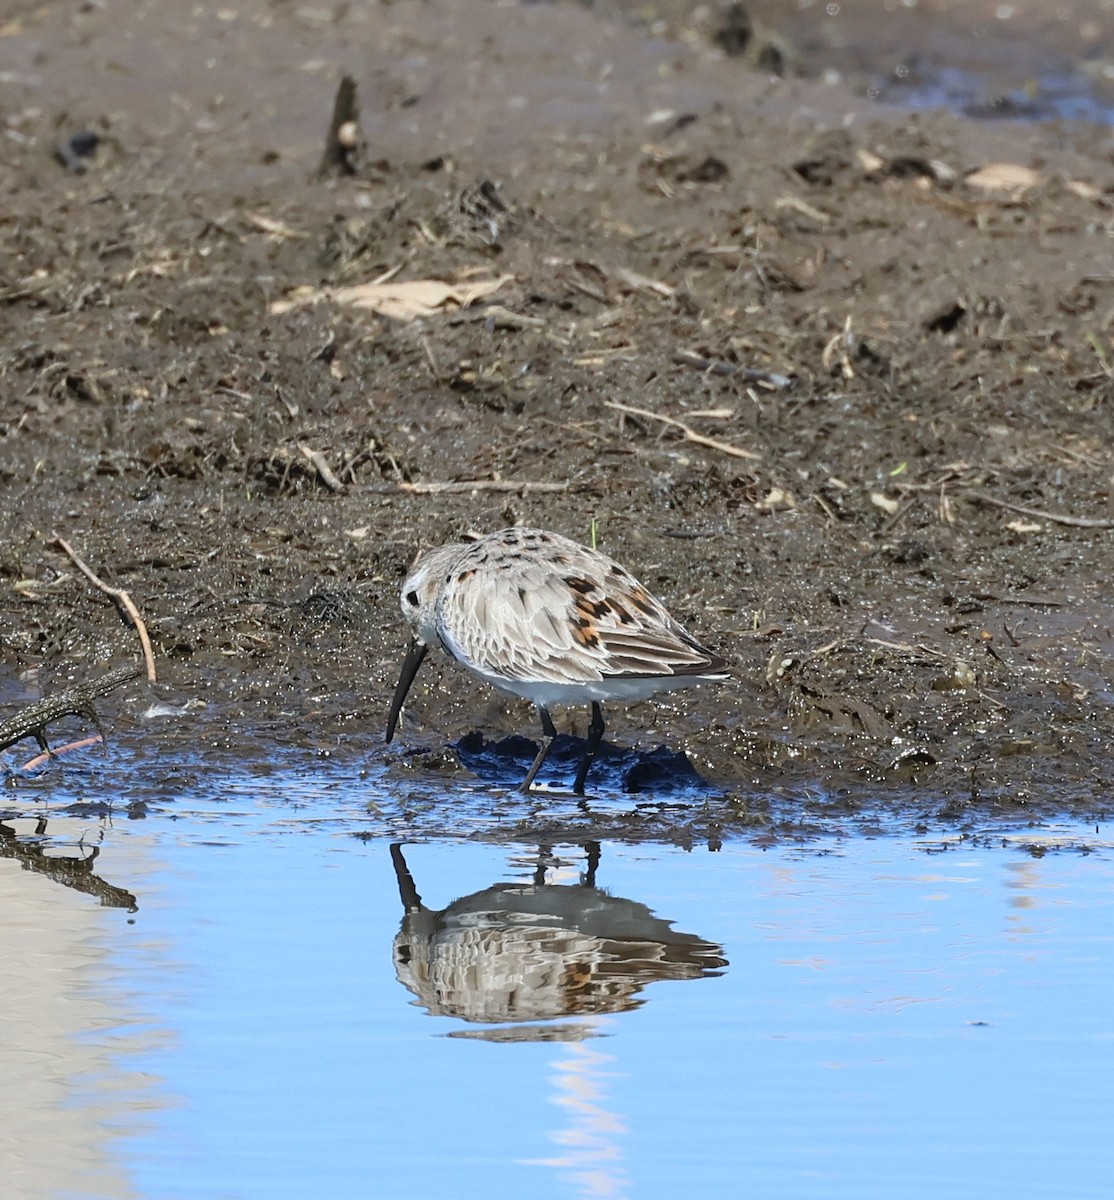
(300,1004)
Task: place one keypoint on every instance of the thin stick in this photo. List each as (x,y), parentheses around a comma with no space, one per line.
(715,366)
(823,651)
(1042,515)
(436,487)
(904,647)
(690,433)
(321,466)
(33,764)
(892,522)
(121,598)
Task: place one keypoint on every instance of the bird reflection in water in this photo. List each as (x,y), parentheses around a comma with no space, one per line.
(518,957)
(518,952)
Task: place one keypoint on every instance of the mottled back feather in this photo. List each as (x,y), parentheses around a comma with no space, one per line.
(527,605)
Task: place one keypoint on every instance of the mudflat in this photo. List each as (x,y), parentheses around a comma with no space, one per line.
(834,380)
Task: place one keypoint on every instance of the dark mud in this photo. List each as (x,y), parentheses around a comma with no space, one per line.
(907,551)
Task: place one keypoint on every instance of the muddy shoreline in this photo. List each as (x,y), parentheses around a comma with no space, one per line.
(906,551)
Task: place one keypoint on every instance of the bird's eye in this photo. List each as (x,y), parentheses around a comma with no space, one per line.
(412,599)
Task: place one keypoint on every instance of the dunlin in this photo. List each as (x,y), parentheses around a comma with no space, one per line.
(539,616)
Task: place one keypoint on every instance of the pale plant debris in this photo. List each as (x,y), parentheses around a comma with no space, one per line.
(402,300)
(690,434)
(1004,177)
(321,466)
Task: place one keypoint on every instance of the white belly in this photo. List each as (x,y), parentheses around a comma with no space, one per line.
(615,688)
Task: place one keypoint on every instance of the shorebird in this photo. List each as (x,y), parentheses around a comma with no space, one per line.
(539,616)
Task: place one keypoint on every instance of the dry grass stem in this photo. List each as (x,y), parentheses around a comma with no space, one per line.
(321,466)
(120,597)
(436,487)
(715,366)
(690,434)
(1043,514)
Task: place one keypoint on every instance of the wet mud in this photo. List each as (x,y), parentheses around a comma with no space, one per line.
(835,380)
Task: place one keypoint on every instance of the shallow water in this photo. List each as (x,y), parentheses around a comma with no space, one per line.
(911,1014)
(1052,96)
(1027,62)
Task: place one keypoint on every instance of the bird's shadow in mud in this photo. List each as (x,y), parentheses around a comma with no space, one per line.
(615,769)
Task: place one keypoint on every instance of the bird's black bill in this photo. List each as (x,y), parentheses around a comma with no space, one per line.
(410,665)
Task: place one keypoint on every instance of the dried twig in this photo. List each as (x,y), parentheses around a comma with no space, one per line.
(32,719)
(715,366)
(891,523)
(121,598)
(33,764)
(823,651)
(1042,514)
(321,466)
(905,647)
(431,358)
(1023,600)
(690,434)
(840,347)
(442,487)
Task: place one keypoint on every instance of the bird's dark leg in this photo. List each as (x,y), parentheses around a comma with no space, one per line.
(592,852)
(545,857)
(549,732)
(595,735)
